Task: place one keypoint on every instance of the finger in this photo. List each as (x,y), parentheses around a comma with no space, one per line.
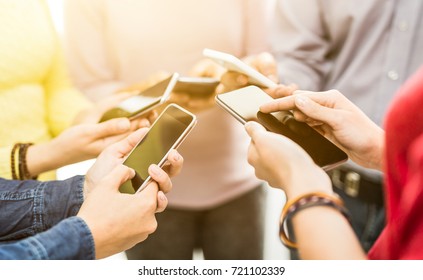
(161,177)
(161,202)
(233,80)
(253,154)
(299,116)
(111,127)
(314,110)
(124,146)
(282,91)
(281,104)
(265,63)
(253,129)
(176,162)
(119,175)
(149,193)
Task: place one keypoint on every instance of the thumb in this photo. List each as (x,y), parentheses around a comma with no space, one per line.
(119,175)
(112,127)
(253,128)
(314,110)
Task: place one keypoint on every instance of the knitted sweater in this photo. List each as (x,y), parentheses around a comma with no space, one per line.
(37,101)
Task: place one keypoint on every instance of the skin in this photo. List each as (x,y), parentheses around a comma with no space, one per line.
(284,165)
(86,139)
(116,220)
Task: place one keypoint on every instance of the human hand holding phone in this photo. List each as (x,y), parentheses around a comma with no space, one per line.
(144,101)
(244,104)
(257,70)
(337,118)
(166,134)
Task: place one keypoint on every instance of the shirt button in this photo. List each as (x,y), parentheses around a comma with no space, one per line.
(393,75)
(402,26)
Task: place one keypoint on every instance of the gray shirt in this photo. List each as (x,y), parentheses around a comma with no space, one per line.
(364,48)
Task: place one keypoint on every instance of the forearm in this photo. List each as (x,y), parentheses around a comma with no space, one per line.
(44,157)
(30,207)
(322,232)
(70,239)
(375,159)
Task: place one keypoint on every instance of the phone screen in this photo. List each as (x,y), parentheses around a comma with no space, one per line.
(244,105)
(196,86)
(142,102)
(166,133)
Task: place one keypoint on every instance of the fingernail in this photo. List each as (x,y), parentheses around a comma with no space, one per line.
(144,123)
(162,196)
(176,157)
(301,101)
(155,169)
(123,125)
(248,125)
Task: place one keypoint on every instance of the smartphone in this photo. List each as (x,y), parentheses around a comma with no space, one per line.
(244,105)
(145,101)
(233,63)
(196,86)
(168,131)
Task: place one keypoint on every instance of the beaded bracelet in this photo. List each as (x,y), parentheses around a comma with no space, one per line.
(13,161)
(23,167)
(305,201)
(20,172)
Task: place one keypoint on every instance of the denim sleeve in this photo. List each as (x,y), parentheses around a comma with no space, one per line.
(31,207)
(71,239)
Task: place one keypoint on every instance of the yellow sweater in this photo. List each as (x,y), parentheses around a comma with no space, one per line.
(37,101)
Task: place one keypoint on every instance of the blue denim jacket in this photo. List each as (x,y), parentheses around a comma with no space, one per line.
(39,212)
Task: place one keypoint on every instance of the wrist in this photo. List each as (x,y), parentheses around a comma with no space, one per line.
(41,158)
(307,181)
(379,147)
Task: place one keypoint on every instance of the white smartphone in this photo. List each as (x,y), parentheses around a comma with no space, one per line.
(168,131)
(244,104)
(196,86)
(145,101)
(233,63)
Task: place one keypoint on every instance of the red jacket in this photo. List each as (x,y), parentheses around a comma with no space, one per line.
(402,237)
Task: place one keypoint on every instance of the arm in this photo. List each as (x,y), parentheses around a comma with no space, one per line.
(90,64)
(70,239)
(108,221)
(30,207)
(321,232)
(300,43)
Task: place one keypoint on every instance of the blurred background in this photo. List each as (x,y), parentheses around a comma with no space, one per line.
(273,248)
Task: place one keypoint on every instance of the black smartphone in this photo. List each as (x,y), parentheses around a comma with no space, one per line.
(196,86)
(166,133)
(143,102)
(244,105)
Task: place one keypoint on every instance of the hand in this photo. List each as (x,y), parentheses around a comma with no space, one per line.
(207,68)
(93,115)
(338,119)
(115,155)
(191,103)
(118,221)
(284,164)
(204,68)
(77,143)
(263,62)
